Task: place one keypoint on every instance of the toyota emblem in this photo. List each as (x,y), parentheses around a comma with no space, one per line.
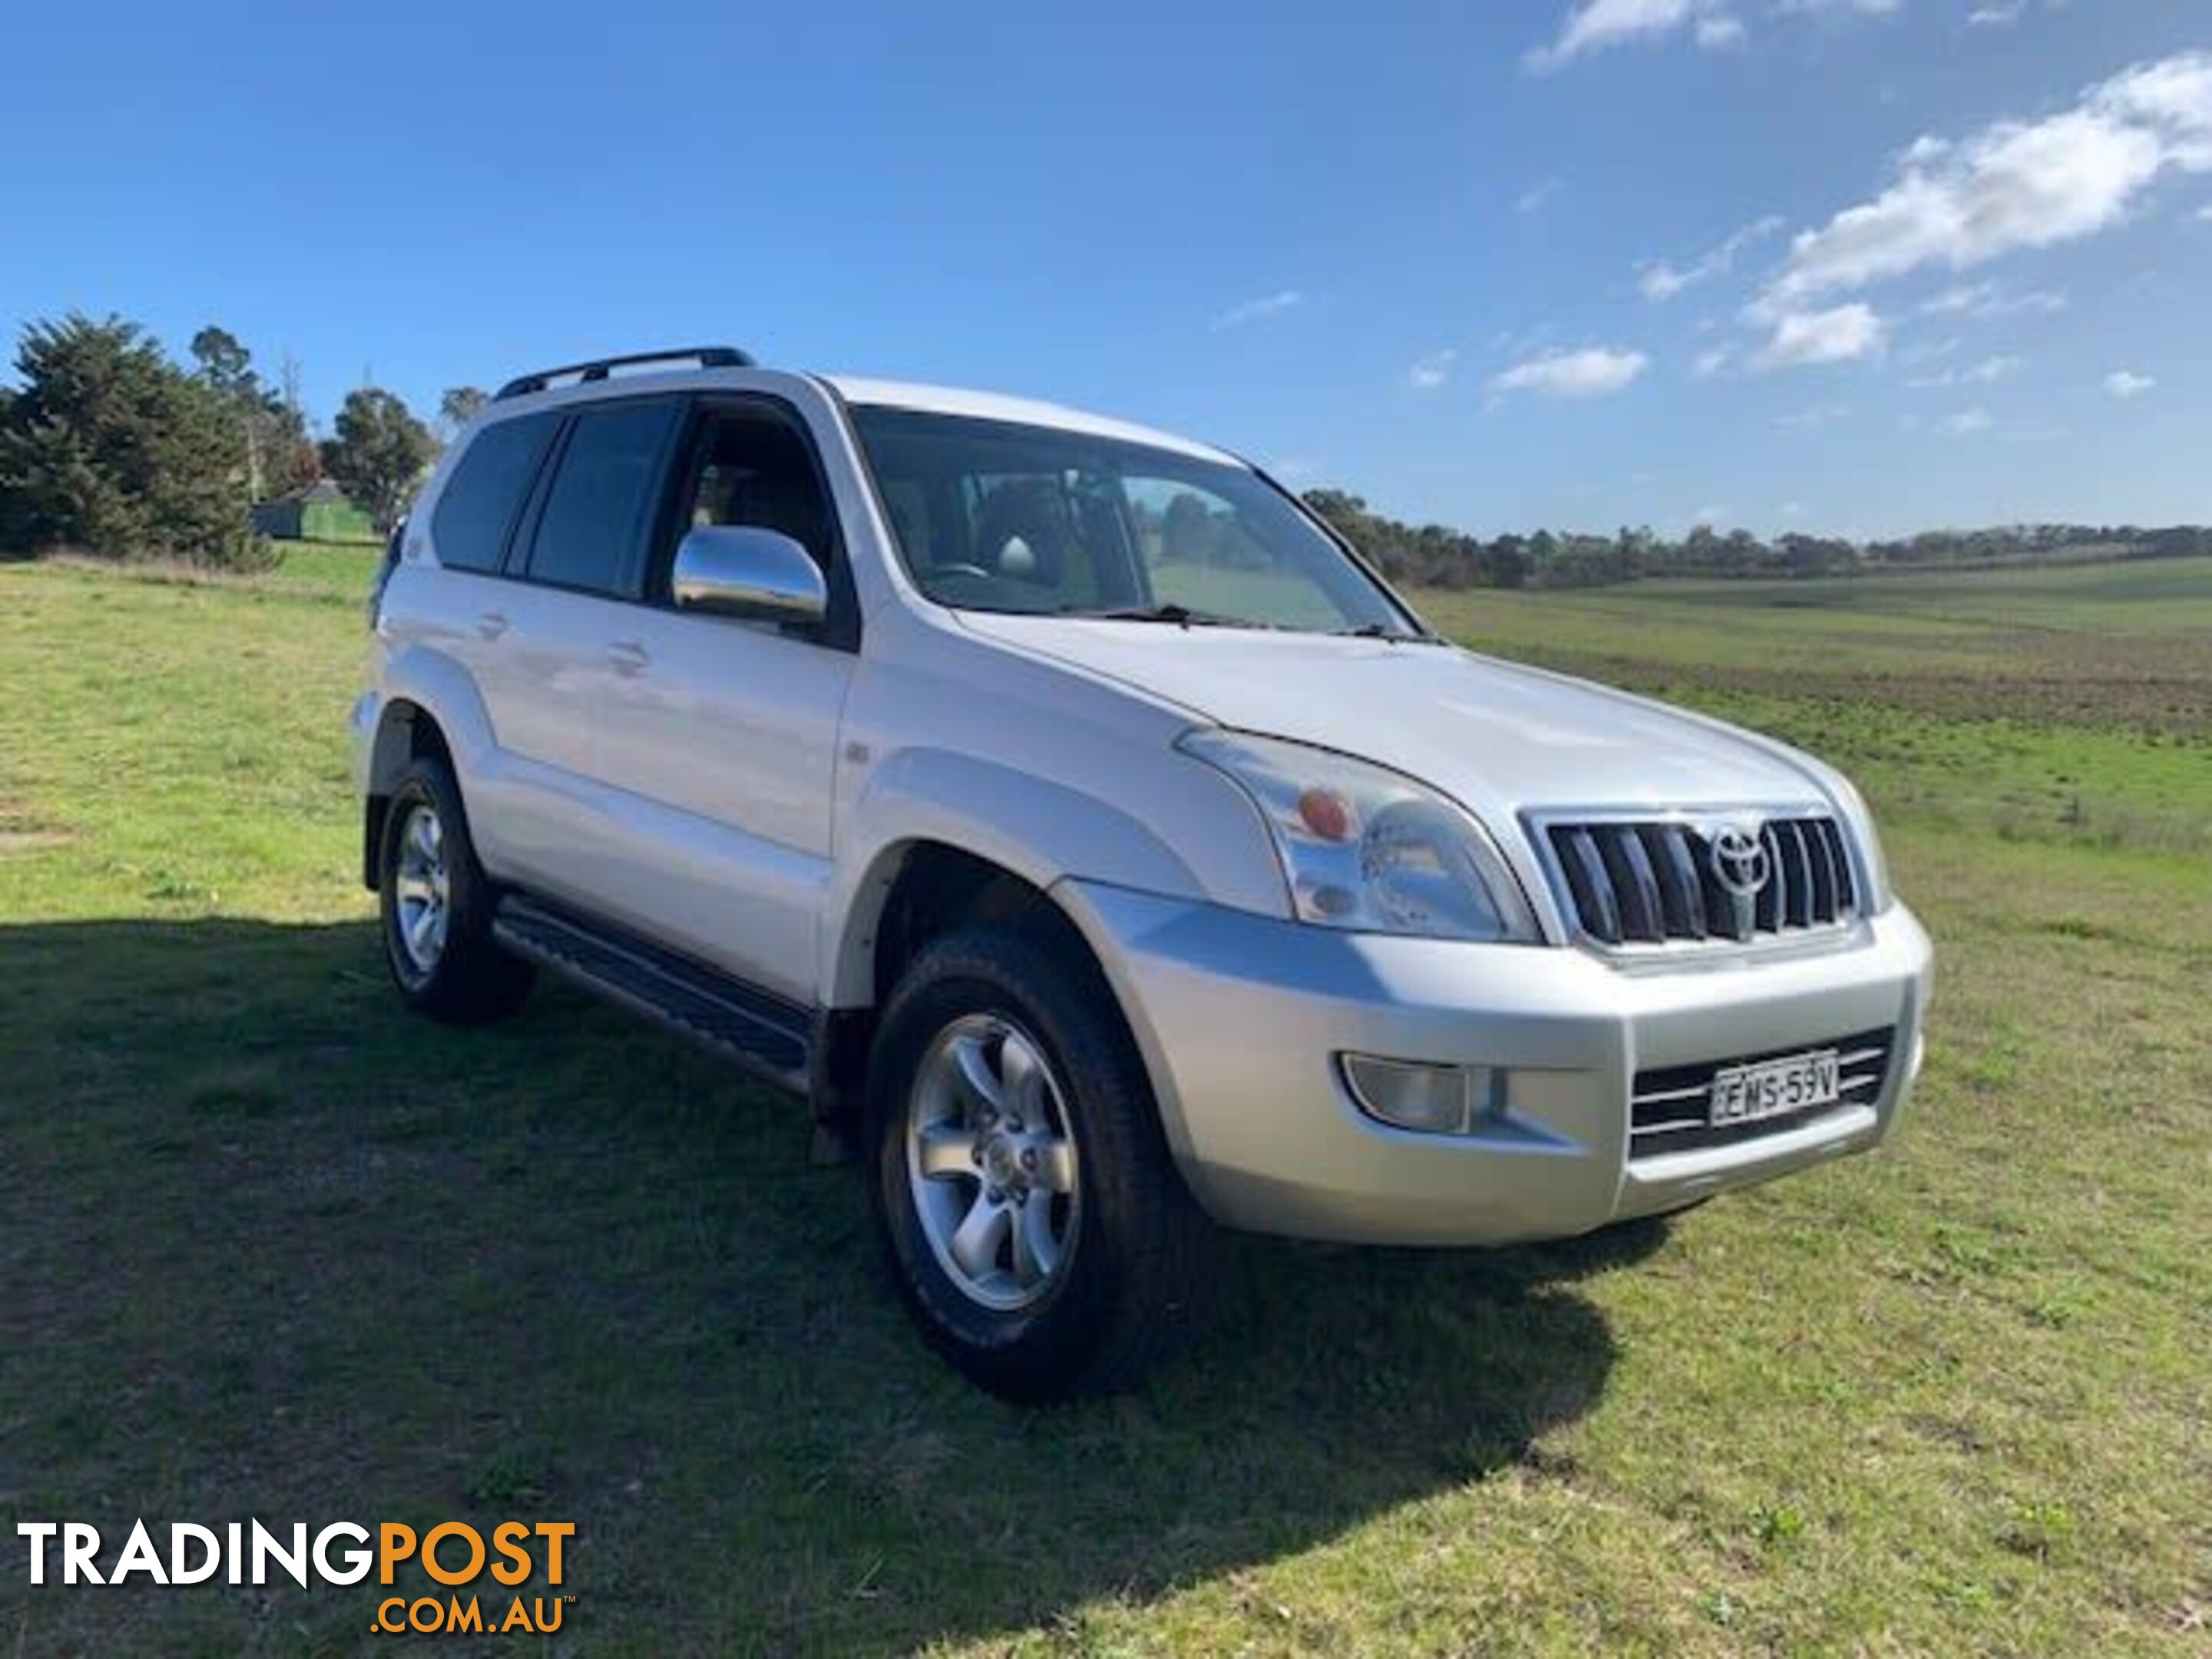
(1740,861)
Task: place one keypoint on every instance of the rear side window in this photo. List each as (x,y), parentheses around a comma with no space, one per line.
(478,507)
(589,534)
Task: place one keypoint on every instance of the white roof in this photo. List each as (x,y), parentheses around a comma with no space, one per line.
(996,406)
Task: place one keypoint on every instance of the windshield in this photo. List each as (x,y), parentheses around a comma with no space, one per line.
(990,515)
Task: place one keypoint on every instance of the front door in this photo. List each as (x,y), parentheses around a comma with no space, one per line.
(721,735)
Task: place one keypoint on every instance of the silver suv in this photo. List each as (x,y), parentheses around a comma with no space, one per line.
(1097,843)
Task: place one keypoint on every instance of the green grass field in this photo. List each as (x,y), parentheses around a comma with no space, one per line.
(269,1247)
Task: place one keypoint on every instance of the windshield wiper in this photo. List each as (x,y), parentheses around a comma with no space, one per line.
(1376,630)
(1179,616)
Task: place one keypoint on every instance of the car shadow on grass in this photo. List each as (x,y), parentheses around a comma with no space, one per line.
(276,1248)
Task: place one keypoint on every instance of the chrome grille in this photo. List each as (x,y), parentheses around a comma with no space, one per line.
(1668,1113)
(1627,882)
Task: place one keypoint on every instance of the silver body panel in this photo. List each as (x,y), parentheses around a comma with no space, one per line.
(748,798)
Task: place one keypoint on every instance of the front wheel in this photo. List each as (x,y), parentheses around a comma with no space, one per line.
(1027,1201)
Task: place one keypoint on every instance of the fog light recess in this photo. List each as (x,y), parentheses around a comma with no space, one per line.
(1437,1100)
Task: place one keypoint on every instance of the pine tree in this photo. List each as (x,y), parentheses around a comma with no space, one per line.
(111,448)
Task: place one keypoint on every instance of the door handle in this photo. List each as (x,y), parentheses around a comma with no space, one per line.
(491,624)
(628,656)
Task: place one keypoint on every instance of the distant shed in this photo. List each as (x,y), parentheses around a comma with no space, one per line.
(319,513)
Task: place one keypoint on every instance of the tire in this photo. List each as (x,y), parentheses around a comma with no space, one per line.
(451,968)
(1103,1263)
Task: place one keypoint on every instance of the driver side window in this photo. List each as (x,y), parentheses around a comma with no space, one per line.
(750,465)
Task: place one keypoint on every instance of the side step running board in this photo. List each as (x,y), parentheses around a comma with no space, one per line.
(763,1034)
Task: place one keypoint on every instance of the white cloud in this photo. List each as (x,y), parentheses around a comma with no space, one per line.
(1959,297)
(1987,298)
(1592,372)
(1717,31)
(1930,351)
(1997,13)
(1838,334)
(2015,185)
(1710,363)
(2036,302)
(1714,514)
(1661,281)
(1518,343)
(1716,25)
(2124,383)
(1534,199)
(1966,423)
(1432,371)
(1988,372)
(2205,214)
(1817,414)
(1266,305)
(1594,25)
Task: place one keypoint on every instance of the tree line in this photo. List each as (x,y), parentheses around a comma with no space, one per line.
(1436,555)
(108,446)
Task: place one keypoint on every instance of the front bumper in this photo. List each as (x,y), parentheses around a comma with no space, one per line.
(1240,1018)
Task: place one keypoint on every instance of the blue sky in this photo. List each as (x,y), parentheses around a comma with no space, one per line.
(1849,265)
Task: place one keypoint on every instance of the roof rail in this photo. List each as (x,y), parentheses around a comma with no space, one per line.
(596,370)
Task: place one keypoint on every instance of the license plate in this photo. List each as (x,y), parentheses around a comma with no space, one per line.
(1773,1088)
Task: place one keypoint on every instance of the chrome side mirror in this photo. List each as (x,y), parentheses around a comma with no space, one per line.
(742,570)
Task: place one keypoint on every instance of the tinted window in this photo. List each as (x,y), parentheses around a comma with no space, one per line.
(487,490)
(595,510)
(751,467)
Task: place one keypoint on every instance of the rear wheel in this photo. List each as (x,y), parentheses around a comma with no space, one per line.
(437,904)
(1027,1201)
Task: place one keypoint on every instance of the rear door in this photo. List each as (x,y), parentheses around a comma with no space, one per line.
(561,648)
(479,514)
(721,734)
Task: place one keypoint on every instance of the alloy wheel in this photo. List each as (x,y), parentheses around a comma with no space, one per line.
(422,888)
(991,1163)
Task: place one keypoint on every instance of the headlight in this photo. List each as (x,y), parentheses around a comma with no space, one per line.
(1368,850)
